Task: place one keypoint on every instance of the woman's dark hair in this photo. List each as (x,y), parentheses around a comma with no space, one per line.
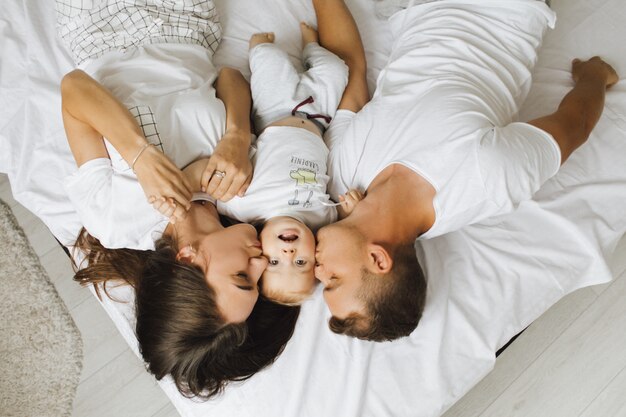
(179,327)
(100,265)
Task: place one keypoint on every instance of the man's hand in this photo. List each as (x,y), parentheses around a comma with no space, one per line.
(581,108)
(348,202)
(229,170)
(594,68)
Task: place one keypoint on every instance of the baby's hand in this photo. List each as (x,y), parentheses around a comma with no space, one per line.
(168,208)
(348,202)
(259,38)
(309,34)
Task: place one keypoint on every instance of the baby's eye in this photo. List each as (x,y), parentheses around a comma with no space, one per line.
(273,262)
(300,262)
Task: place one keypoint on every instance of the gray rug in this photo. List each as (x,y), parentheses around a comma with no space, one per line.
(40,346)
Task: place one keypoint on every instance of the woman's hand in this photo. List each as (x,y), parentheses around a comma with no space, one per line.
(229,170)
(90,112)
(161,179)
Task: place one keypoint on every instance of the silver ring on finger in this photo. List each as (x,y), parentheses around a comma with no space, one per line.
(219,174)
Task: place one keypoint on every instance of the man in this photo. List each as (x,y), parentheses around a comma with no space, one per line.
(436,149)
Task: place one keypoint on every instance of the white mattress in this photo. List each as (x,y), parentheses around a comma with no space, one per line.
(486,282)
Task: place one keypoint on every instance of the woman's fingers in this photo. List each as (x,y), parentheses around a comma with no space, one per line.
(180,189)
(170,208)
(235,187)
(244,188)
(224,186)
(217,178)
(207,174)
(179,213)
(225,183)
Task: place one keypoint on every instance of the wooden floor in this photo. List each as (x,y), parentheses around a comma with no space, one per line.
(569,363)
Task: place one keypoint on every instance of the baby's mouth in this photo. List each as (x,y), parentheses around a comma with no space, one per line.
(288,237)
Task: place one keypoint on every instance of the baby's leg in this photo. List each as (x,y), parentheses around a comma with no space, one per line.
(326,76)
(273,81)
(309,34)
(259,38)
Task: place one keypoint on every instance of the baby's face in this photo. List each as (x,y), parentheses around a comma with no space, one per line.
(289,246)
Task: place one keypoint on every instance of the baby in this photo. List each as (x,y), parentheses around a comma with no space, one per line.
(287,195)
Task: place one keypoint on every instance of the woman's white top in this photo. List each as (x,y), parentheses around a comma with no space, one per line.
(444,107)
(169,90)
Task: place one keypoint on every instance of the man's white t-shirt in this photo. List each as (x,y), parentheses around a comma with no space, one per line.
(444,107)
(289,179)
(169,90)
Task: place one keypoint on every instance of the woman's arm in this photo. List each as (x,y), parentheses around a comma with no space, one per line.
(231,153)
(90,113)
(581,108)
(339,34)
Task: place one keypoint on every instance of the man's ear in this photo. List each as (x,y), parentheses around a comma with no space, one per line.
(379,259)
(186,254)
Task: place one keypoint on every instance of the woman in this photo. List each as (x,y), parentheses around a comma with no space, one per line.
(195,280)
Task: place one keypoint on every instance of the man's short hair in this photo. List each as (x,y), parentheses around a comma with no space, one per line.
(394,302)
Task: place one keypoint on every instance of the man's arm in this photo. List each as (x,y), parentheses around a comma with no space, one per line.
(581,108)
(339,34)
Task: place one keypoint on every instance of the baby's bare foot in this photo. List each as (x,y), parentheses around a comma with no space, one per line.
(308,34)
(259,38)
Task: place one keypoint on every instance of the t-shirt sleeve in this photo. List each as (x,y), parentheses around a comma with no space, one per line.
(337,128)
(515,160)
(112,206)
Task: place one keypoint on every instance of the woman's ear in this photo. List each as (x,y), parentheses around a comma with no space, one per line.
(186,254)
(379,260)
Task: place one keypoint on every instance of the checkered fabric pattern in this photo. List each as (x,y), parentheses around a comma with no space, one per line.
(92,27)
(145,118)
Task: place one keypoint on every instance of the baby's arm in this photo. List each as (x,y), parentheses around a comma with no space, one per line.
(348,202)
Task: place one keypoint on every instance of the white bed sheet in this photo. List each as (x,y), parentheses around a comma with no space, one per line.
(486,282)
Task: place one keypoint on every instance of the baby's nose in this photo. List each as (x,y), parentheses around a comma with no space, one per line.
(288,250)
